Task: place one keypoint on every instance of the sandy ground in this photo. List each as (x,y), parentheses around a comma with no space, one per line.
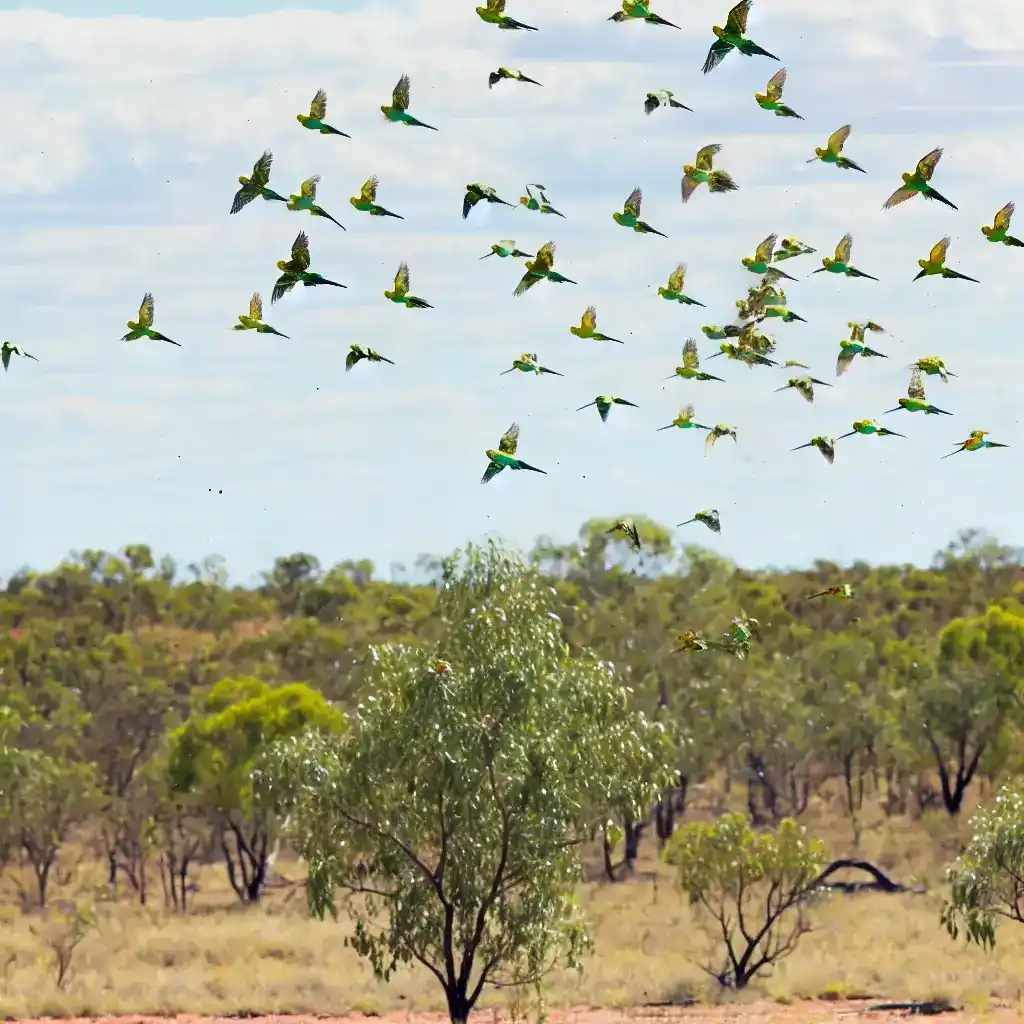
(809,1012)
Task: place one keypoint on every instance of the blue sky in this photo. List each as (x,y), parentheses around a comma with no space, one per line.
(122,145)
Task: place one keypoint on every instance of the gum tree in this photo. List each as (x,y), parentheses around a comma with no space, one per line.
(471,775)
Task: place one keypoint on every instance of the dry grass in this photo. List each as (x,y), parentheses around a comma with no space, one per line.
(221,959)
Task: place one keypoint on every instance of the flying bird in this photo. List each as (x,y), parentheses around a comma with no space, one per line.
(306,200)
(975,443)
(400,292)
(848,349)
(296,271)
(255,187)
(917,183)
(527,363)
(933,365)
(832,153)
(857,330)
(804,386)
(662,98)
(477,192)
(494,14)
(760,263)
(771,98)
(783,313)
(588,327)
(743,354)
(840,263)
(630,216)
(732,37)
(869,427)
(701,172)
(253,321)
(689,368)
(717,431)
(541,267)
(707,516)
(398,111)
(999,231)
(314,120)
(504,456)
(790,247)
(143,327)
(915,400)
(604,404)
(627,528)
(935,265)
(505,248)
(358,353)
(9,348)
(542,204)
(844,591)
(685,421)
(715,333)
(507,73)
(634,10)
(673,291)
(825,445)
(366,201)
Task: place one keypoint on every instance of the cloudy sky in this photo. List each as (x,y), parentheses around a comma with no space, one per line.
(124,137)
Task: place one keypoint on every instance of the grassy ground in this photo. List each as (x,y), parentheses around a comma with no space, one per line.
(221,959)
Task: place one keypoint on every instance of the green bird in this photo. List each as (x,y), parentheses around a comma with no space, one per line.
(254,320)
(477,192)
(255,187)
(771,98)
(804,386)
(604,404)
(527,363)
(869,427)
(760,263)
(662,98)
(689,368)
(366,201)
(630,216)
(998,232)
(10,348)
(505,248)
(494,14)
(306,200)
(715,333)
(314,120)
(933,365)
(639,10)
(787,316)
(503,74)
(143,327)
(504,456)
(794,362)
(673,291)
(588,327)
(825,445)
(398,111)
(790,247)
(541,268)
(975,443)
(717,431)
(832,153)
(935,265)
(848,349)
(916,401)
(759,299)
(400,292)
(732,38)
(751,338)
(691,641)
(840,263)
(296,271)
(358,353)
(708,516)
(917,183)
(627,528)
(701,172)
(685,421)
(844,591)
(743,354)
(857,331)
(542,204)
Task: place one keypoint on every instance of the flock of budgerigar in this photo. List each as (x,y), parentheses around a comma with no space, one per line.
(742,340)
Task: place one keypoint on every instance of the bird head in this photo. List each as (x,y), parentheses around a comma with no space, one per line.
(688,168)
(301,118)
(243,180)
(922,264)
(906,177)
(718,30)
(491,453)
(986,231)
(385,110)
(746,261)
(282,264)
(523,201)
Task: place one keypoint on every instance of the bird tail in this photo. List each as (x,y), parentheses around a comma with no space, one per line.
(721,181)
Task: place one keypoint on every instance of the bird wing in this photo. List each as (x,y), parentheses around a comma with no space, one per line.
(763,253)
(400,94)
(939,250)
(261,170)
(300,251)
(308,188)
(677,279)
(901,195)
(509,440)
(353,357)
(146,310)
(838,138)
(844,248)
(368,193)
(705,155)
(256,306)
(402,279)
(589,322)
(691,361)
(736,23)
(687,412)
(498,6)
(631,207)
(775,85)
(545,258)
(318,108)
(926,165)
(1002,218)
(915,389)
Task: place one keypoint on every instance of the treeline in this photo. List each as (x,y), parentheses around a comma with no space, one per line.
(143,698)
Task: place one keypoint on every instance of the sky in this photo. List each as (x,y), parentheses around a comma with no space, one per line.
(125,135)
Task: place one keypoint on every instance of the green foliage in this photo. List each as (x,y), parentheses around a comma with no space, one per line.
(472,773)
(987,879)
(751,886)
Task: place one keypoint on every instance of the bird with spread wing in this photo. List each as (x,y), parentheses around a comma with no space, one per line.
(504,456)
